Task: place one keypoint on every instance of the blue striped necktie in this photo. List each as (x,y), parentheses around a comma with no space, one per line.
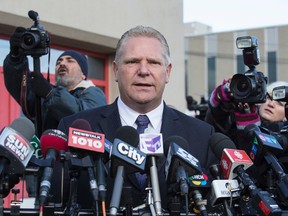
(142,122)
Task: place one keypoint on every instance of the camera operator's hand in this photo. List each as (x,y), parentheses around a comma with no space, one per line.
(15,40)
(246,114)
(40,85)
(221,94)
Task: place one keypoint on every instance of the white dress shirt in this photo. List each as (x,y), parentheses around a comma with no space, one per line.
(128,117)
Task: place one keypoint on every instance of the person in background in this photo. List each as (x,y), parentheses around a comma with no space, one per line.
(273,111)
(71,93)
(231,118)
(142,68)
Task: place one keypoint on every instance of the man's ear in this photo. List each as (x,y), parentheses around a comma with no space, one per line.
(115,70)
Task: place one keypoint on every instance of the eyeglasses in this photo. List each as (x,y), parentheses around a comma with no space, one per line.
(269,97)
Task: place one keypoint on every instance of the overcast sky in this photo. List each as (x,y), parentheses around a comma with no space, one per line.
(227,15)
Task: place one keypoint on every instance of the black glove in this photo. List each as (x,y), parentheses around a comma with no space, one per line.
(15,40)
(40,85)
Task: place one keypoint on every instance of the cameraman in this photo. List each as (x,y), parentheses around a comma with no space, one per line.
(71,94)
(231,118)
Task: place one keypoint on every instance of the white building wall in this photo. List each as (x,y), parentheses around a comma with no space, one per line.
(100,23)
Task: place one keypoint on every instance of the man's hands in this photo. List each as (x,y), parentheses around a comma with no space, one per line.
(15,40)
(40,85)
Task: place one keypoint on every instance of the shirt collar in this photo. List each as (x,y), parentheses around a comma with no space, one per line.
(128,116)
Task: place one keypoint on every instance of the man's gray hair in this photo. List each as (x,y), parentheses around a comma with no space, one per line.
(146,32)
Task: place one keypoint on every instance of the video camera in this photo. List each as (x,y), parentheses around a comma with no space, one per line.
(36,40)
(250,87)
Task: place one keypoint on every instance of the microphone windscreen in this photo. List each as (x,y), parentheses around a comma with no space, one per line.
(249,130)
(128,134)
(81,124)
(283,140)
(24,126)
(55,139)
(32,14)
(218,142)
(180,141)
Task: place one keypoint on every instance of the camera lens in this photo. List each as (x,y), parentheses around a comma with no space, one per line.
(240,85)
(30,40)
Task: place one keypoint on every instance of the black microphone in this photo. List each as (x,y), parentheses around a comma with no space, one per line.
(264,148)
(125,159)
(180,164)
(15,152)
(86,142)
(261,143)
(15,149)
(52,142)
(33,15)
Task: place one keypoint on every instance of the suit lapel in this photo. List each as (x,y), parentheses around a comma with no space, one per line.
(169,127)
(110,121)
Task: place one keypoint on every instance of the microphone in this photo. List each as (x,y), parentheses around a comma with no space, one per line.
(87,143)
(179,166)
(52,142)
(125,159)
(231,158)
(222,189)
(31,172)
(262,143)
(82,138)
(178,158)
(33,15)
(261,200)
(35,142)
(152,145)
(264,148)
(15,152)
(15,149)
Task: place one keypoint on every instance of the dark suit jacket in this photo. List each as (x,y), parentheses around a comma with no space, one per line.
(106,120)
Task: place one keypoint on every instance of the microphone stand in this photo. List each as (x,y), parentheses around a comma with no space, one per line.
(73,207)
(148,203)
(200,204)
(150,199)
(128,200)
(174,200)
(38,121)
(155,187)
(1,194)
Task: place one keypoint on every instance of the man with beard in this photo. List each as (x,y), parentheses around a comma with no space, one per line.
(71,94)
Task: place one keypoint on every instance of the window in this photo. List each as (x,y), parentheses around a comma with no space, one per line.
(211,73)
(98,74)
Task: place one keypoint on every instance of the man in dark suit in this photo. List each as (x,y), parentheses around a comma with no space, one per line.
(142,68)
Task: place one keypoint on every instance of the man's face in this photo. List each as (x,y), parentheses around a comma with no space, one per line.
(141,73)
(68,72)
